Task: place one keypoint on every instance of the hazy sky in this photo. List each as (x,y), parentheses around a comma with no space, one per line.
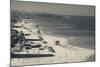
(75,10)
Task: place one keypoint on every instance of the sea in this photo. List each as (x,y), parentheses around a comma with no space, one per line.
(79,30)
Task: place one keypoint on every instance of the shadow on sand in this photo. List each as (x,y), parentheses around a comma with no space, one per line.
(30,55)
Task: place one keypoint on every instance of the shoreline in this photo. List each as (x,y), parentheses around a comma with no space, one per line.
(69,53)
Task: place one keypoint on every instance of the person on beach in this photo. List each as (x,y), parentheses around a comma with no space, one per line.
(39,33)
(38,30)
(57,43)
(40,37)
(37,26)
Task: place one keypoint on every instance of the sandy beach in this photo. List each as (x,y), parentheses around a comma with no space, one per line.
(63,53)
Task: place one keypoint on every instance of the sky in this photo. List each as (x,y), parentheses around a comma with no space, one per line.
(62,9)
